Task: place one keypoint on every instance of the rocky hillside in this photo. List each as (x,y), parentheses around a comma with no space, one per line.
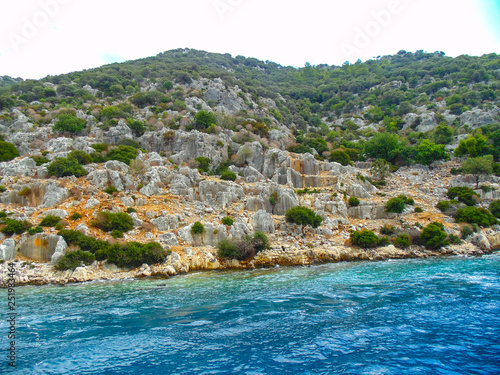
(188,137)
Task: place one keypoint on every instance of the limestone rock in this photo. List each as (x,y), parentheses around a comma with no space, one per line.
(262,221)
(8,249)
(168,239)
(92,202)
(18,167)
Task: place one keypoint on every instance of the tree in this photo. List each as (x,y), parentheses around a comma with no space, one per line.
(382,146)
(380,169)
(434,236)
(395,205)
(7,151)
(473,145)
(303,216)
(69,124)
(443,134)
(427,152)
(340,156)
(482,165)
(203,119)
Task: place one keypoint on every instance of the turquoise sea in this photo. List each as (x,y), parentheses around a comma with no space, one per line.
(438,316)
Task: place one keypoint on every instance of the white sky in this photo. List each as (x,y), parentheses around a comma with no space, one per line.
(42,37)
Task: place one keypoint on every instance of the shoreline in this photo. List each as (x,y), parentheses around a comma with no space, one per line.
(204,259)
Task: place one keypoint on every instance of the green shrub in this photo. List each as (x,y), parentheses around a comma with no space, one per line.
(495,208)
(402,241)
(395,205)
(203,119)
(340,156)
(24,192)
(260,241)
(365,239)
(40,160)
(86,243)
(227,250)
(35,230)
(131,209)
(136,126)
(50,221)
(433,236)
(62,167)
(76,216)
(454,240)
(203,164)
(129,142)
(443,206)
(273,198)
(486,188)
(122,153)
(480,216)
(464,195)
(69,123)
(81,156)
(134,254)
(408,200)
(115,233)
(227,220)
(14,226)
(75,259)
(353,202)
(3,189)
(466,232)
(59,226)
(111,189)
(197,228)
(100,147)
(387,229)
(228,176)
(419,209)
(303,216)
(108,221)
(7,151)
(3,214)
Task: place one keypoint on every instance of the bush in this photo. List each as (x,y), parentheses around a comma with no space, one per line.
(14,227)
(75,259)
(419,209)
(480,216)
(396,205)
(203,164)
(3,189)
(243,249)
(197,228)
(228,176)
(340,156)
(464,195)
(443,206)
(7,151)
(365,239)
(108,221)
(433,236)
(387,229)
(203,119)
(136,126)
(76,216)
(81,156)
(134,254)
(402,241)
(466,232)
(24,192)
(86,243)
(115,233)
(62,167)
(454,240)
(50,221)
(35,230)
(273,198)
(303,216)
(227,220)
(131,209)
(122,153)
(495,208)
(59,226)
(111,189)
(69,124)
(353,202)
(40,160)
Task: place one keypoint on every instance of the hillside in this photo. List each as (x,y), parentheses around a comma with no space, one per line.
(189,136)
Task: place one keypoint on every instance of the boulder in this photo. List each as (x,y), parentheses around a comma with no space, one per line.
(8,249)
(168,239)
(263,222)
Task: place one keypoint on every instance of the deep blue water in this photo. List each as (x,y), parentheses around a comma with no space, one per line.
(439,316)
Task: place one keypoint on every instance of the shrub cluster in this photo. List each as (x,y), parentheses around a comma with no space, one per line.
(131,254)
(7,151)
(62,167)
(13,226)
(353,201)
(243,249)
(197,228)
(69,123)
(75,259)
(303,216)
(464,194)
(434,237)
(367,239)
(50,221)
(227,220)
(398,204)
(480,216)
(109,221)
(228,176)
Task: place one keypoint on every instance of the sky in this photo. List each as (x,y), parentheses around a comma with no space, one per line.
(50,37)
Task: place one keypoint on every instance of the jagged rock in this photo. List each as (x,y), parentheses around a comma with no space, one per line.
(494,240)
(119,132)
(79,274)
(286,199)
(42,247)
(8,249)
(60,250)
(127,201)
(57,212)
(82,228)
(369,211)
(356,190)
(213,235)
(167,222)
(168,239)
(481,241)
(59,146)
(102,178)
(18,167)
(135,219)
(54,194)
(262,221)
(154,181)
(92,202)
(477,117)
(238,230)
(428,121)
(117,166)
(255,204)
(220,193)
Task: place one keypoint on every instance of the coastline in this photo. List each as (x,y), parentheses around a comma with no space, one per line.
(204,259)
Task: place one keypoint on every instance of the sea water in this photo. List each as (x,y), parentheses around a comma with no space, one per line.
(437,316)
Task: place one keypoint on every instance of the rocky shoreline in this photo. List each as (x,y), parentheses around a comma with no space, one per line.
(204,259)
